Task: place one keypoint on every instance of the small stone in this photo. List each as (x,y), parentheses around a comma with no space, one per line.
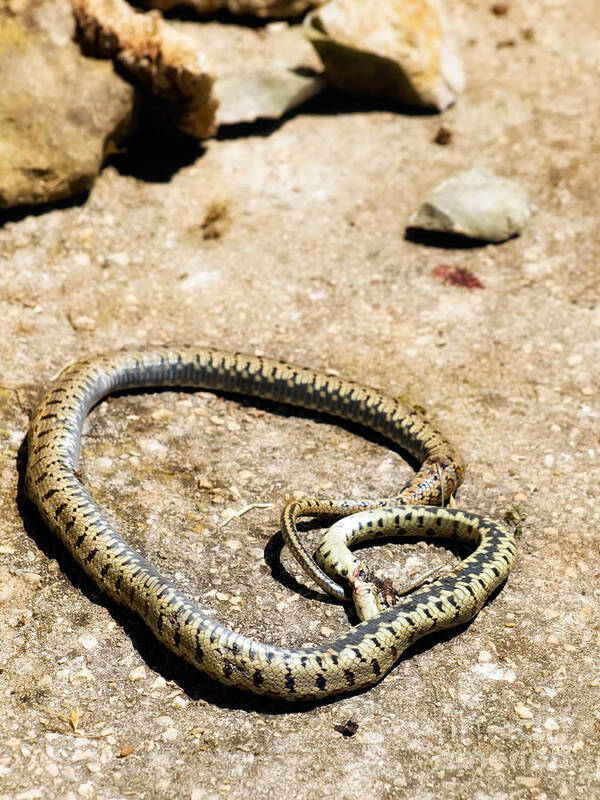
(551,724)
(82,260)
(137,674)
(88,641)
(179,702)
(170,735)
(120,259)
(387,48)
(7,590)
(443,136)
(84,675)
(477,204)
(266,91)
(81,322)
(523,711)
(527,780)
(484,657)
(32,578)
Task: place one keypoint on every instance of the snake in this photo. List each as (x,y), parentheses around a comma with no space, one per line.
(357,659)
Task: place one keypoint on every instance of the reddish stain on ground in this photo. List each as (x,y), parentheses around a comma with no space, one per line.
(457,276)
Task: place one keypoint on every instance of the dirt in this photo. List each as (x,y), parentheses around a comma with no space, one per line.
(307,260)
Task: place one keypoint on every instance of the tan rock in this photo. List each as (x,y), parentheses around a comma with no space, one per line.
(281,9)
(60,114)
(156,55)
(388,48)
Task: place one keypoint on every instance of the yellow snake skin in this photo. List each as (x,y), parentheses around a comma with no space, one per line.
(358,659)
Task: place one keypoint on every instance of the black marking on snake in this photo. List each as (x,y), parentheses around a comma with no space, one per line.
(290,683)
(258,677)
(80,539)
(104,570)
(350,677)
(227,668)
(375,666)
(320,682)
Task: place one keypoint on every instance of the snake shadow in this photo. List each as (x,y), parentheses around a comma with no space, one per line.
(192,682)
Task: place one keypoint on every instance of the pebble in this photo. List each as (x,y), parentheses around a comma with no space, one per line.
(81,322)
(387,48)
(476,203)
(265,91)
(523,711)
(88,641)
(170,734)
(121,259)
(137,674)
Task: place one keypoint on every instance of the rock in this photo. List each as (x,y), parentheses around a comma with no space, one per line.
(260,73)
(155,55)
(60,113)
(388,48)
(231,48)
(280,9)
(476,203)
(266,91)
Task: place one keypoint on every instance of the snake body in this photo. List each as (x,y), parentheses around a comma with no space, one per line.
(356,660)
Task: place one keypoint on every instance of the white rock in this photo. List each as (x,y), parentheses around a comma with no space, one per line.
(476,203)
(388,48)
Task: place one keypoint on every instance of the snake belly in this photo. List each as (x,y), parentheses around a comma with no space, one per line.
(356,660)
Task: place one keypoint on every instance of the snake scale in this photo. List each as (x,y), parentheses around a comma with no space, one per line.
(357,659)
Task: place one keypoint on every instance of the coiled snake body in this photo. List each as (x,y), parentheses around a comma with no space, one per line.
(369,650)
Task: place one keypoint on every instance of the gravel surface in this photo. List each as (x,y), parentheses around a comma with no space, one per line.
(289,240)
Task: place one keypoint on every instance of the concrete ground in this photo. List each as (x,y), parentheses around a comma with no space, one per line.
(289,240)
